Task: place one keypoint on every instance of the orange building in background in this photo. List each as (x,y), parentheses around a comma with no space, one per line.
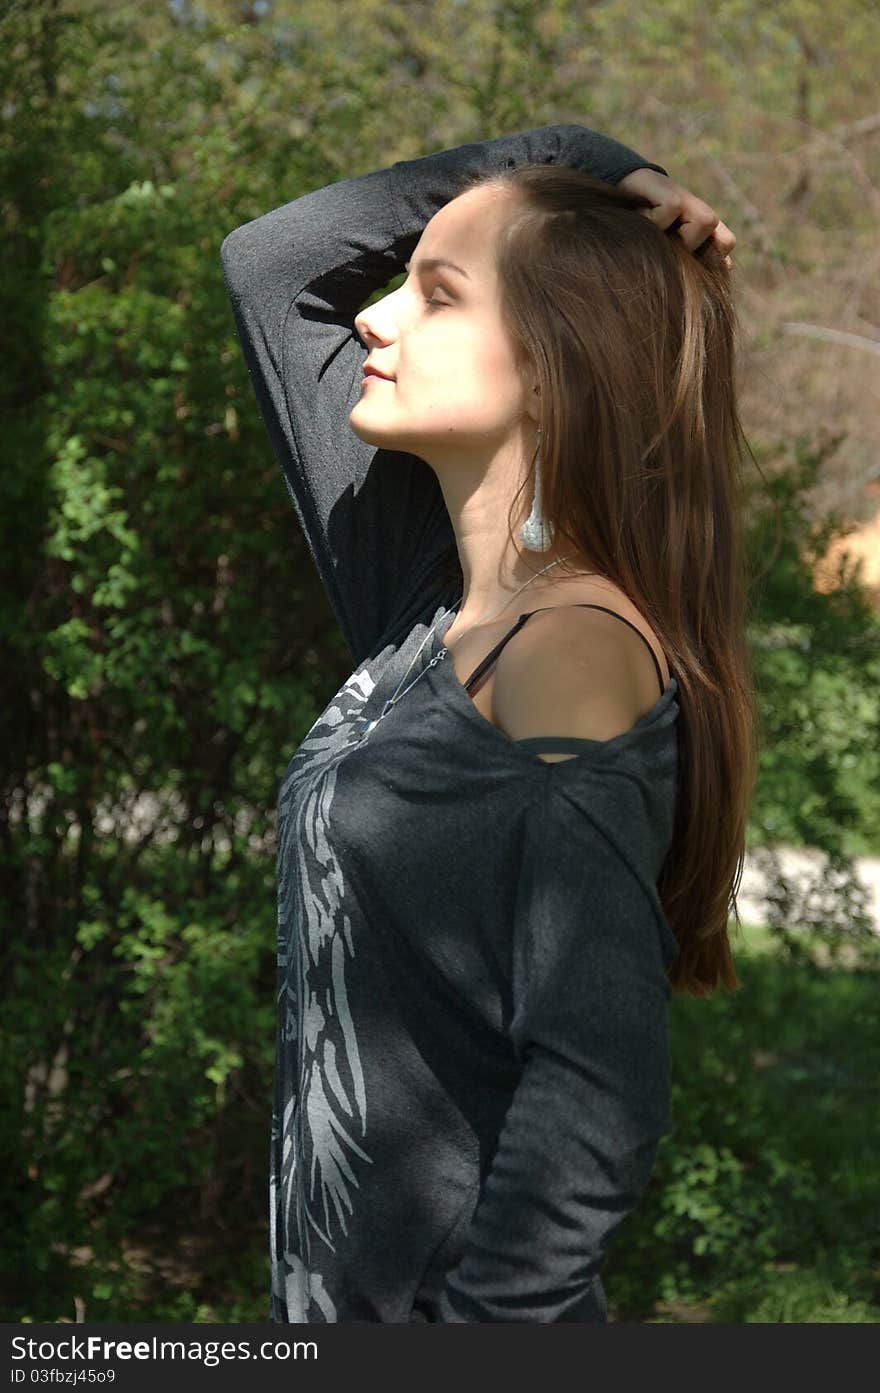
(864,544)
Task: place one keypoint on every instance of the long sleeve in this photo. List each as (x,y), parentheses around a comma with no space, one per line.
(589,1027)
(375,520)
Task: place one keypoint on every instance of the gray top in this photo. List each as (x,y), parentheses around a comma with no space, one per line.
(472,1070)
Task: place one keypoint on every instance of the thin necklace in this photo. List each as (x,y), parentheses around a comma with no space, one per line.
(392,701)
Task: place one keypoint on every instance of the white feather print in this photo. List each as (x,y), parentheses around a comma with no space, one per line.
(320,1114)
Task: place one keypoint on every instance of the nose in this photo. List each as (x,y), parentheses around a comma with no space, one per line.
(364,331)
(368,322)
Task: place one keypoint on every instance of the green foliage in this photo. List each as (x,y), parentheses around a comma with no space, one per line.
(817,661)
(166,645)
(756,1207)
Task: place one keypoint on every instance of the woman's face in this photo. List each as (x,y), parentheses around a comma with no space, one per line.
(455,388)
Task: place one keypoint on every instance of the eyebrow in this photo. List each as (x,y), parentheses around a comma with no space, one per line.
(429,263)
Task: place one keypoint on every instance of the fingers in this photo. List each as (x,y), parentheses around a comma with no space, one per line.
(724,237)
(675,208)
(695,222)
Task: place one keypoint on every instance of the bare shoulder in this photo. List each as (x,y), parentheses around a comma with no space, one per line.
(576,672)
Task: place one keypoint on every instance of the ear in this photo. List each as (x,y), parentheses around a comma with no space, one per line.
(533,404)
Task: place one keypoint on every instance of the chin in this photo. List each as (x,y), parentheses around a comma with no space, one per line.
(362,432)
(374,435)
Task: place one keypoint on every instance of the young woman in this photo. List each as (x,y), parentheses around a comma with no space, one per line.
(512,832)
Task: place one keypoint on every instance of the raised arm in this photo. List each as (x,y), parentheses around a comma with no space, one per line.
(375,520)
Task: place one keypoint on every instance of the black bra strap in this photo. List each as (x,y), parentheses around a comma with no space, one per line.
(490,659)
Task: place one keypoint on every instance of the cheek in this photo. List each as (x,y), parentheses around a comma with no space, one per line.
(454,361)
(494,375)
(464,353)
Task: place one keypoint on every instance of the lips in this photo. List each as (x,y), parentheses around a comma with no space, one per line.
(374,372)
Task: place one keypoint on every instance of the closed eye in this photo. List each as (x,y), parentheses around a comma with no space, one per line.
(435,304)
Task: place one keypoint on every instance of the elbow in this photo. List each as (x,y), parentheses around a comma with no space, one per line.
(229,249)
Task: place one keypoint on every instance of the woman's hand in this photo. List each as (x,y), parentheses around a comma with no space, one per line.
(671,202)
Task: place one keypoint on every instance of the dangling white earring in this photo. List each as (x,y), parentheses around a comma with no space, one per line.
(536,532)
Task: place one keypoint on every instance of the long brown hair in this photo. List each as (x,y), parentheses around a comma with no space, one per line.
(632,338)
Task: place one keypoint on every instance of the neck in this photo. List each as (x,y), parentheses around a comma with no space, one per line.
(477,493)
(534,583)
(492,569)
(493,573)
